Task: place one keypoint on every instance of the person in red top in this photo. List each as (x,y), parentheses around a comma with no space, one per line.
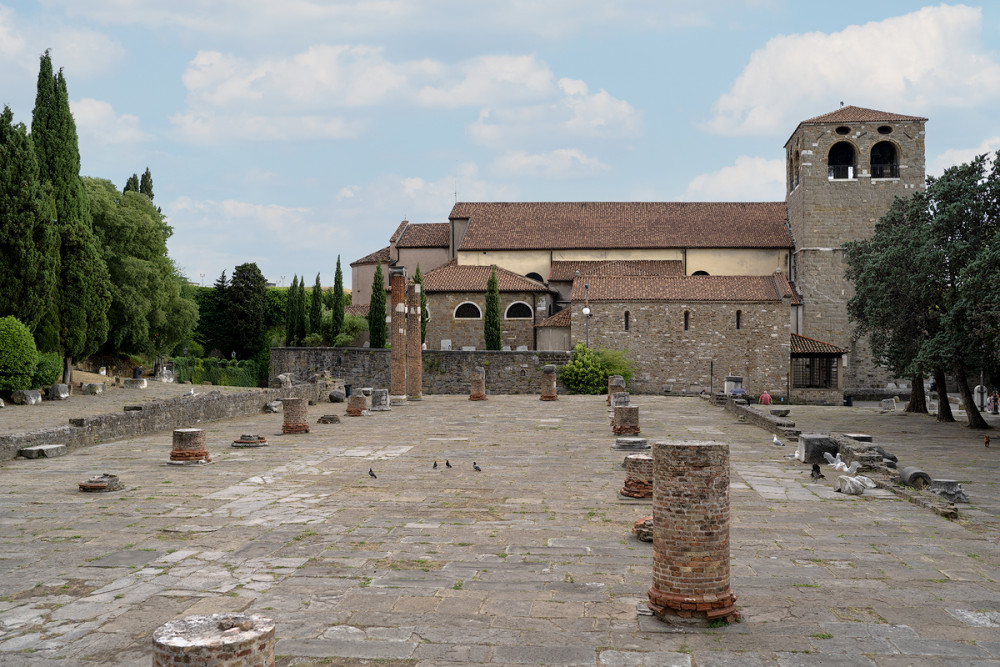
(765,399)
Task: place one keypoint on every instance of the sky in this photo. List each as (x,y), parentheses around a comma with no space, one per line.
(288,133)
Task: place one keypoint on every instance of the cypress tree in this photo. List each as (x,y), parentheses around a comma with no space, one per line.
(132,184)
(290,311)
(419,279)
(491,320)
(301,320)
(376,310)
(338,303)
(28,241)
(316,308)
(146,184)
(214,316)
(247,308)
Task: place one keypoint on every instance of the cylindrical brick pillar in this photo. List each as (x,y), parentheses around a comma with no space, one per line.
(397,329)
(477,390)
(691,531)
(356,405)
(189,446)
(615,383)
(414,349)
(229,640)
(625,420)
(296,412)
(549,383)
(638,476)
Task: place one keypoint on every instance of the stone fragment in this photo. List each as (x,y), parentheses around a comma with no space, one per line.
(284,381)
(915,477)
(949,489)
(380,400)
(356,406)
(132,383)
(42,451)
(328,419)
(643,529)
(888,405)
(58,392)
(338,396)
(102,484)
(812,446)
(272,407)
(92,388)
(627,443)
(230,639)
(549,383)
(26,397)
(780,412)
(477,388)
(248,440)
(616,383)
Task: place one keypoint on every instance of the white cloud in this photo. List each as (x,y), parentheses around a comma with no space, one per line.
(749,179)
(11,41)
(97,124)
(931,57)
(493,79)
(348,192)
(955,156)
(558,164)
(84,52)
(214,128)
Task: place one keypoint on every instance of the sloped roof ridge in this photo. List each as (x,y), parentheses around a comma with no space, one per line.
(804,345)
(857,114)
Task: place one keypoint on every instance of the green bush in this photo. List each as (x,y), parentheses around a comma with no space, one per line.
(354,326)
(313,340)
(223,372)
(18,356)
(615,362)
(48,370)
(588,370)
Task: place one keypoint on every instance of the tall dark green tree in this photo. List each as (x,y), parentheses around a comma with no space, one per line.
(418,278)
(291,311)
(214,323)
(83,292)
(132,184)
(247,308)
(491,319)
(301,318)
(376,310)
(338,303)
(29,248)
(146,184)
(316,307)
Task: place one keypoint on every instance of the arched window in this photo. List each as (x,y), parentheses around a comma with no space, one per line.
(627,318)
(534,276)
(841,161)
(468,311)
(739,318)
(687,320)
(518,310)
(884,161)
(700,273)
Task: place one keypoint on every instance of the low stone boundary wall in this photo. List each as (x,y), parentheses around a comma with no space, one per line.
(164,415)
(444,371)
(768,422)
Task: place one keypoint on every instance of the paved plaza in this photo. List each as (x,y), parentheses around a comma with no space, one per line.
(530,561)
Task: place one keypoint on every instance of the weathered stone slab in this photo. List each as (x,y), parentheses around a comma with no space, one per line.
(380,401)
(627,443)
(860,437)
(92,388)
(42,451)
(780,412)
(812,445)
(949,489)
(130,383)
(26,397)
(58,392)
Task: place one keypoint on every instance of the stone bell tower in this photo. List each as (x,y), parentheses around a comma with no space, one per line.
(844,169)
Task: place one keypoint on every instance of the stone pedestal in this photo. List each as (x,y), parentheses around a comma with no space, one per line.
(356,405)
(477,389)
(92,388)
(691,532)
(638,476)
(102,484)
(549,383)
(249,440)
(626,443)
(625,420)
(296,413)
(414,351)
(232,640)
(189,447)
(616,399)
(397,332)
(616,383)
(58,392)
(134,383)
(380,400)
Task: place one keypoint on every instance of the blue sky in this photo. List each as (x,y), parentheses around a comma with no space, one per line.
(286,133)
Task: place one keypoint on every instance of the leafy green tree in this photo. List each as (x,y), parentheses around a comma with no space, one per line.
(18,356)
(29,250)
(376,310)
(247,306)
(587,370)
(316,307)
(491,319)
(290,312)
(132,184)
(338,303)
(354,326)
(146,184)
(418,278)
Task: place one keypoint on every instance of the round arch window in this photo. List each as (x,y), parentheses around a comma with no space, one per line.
(534,276)
(700,273)
(468,311)
(885,129)
(518,310)
(843,130)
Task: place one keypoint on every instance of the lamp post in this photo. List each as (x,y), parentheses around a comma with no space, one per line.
(202,283)
(586,311)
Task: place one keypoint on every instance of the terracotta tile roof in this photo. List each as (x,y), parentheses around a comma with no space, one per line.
(585,225)
(853,114)
(803,345)
(357,309)
(453,277)
(374,258)
(685,288)
(399,231)
(560,319)
(426,235)
(628,267)
(785,288)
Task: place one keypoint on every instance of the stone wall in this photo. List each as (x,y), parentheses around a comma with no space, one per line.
(442,325)
(765,420)
(668,358)
(164,415)
(444,372)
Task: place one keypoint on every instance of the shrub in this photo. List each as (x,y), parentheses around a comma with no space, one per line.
(18,356)
(48,370)
(588,370)
(313,340)
(615,362)
(354,326)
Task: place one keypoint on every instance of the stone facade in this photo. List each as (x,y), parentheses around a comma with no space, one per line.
(668,358)
(442,324)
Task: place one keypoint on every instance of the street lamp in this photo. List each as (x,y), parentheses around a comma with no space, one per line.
(202,283)
(586,311)
(282,281)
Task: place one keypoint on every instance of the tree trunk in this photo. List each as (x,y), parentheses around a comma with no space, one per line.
(918,399)
(975,418)
(68,371)
(944,408)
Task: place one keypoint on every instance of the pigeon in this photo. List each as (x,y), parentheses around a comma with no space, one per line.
(986,440)
(435,466)
(371,473)
(816,474)
(475,466)
(775,441)
(447,463)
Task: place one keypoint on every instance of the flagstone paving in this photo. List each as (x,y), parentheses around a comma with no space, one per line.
(528,562)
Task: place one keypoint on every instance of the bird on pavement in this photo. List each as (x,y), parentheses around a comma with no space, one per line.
(986,440)
(435,465)
(447,463)
(371,473)
(816,474)
(831,459)
(775,441)
(475,466)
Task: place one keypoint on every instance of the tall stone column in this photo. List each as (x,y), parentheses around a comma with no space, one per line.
(414,349)
(397,329)
(691,532)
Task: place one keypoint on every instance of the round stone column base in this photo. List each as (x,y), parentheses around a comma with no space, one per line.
(708,607)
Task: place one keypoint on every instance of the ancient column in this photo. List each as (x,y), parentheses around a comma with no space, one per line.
(233,640)
(356,405)
(549,383)
(296,413)
(638,476)
(414,353)
(477,390)
(625,420)
(189,447)
(397,330)
(380,400)
(691,532)
(615,383)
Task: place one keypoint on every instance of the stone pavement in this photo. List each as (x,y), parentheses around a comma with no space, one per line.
(528,562)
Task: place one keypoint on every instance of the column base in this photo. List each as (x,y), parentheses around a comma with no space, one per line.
(708,607)
(397,400)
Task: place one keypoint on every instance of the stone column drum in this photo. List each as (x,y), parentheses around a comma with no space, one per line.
(380,400)
(227,640)
(549,383)
(414,351)
(638,476)
(296,412)
(356,405)
(615,383)
(691,532)
(189,446)
(625,420)
(477,390)
(397,330)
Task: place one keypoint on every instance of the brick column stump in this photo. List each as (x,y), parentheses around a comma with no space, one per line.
(625,420)
(189,447)
(414,350)
(397,330)
(477,390)
(549,383)
(691,532)
(296,412)
(638,476)
(229,640)
(615,383)
(356,405)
